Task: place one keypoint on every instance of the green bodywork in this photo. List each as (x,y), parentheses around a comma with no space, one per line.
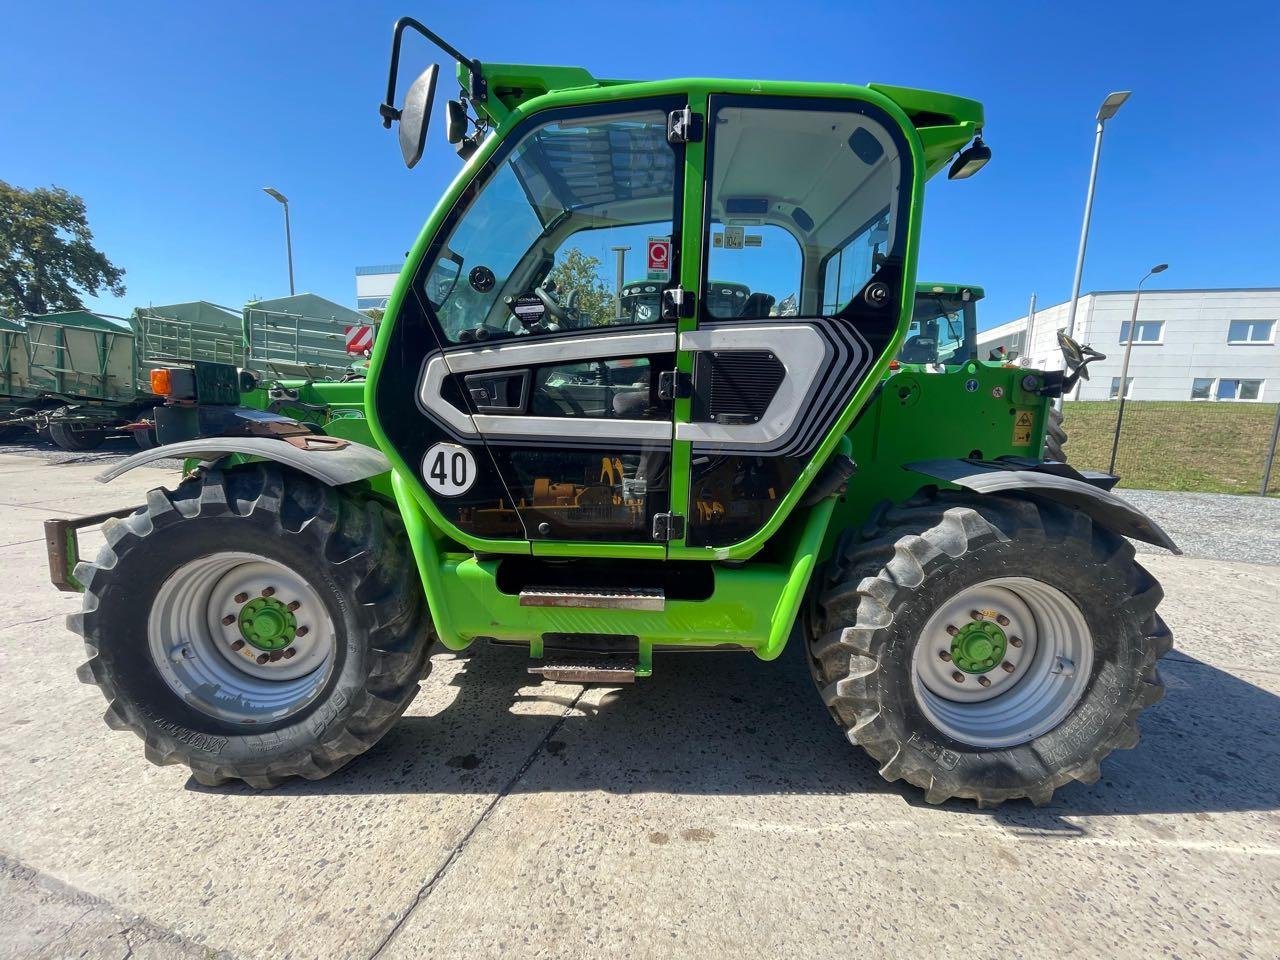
(899,414)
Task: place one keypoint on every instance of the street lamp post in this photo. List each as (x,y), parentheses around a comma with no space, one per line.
(288,235)
(1124,366)
(1108,110)
(621,254)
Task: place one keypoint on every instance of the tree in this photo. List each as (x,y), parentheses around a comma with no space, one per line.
(47,256)
(581,272)
(374,313)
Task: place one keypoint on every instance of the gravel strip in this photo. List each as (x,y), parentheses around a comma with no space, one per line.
(1214,526)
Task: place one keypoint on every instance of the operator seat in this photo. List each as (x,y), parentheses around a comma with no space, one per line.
(758,305)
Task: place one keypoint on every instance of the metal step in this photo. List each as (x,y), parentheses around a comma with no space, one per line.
(634,598)
(584,668)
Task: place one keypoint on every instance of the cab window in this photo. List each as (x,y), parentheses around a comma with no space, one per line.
(538,248)
(803,208)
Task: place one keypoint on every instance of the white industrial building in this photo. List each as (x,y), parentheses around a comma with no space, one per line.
(374,285)
(1187,345)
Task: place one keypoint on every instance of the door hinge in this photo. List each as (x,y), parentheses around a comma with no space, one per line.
(684,126)
(677,304)
(668,526)
(674,385)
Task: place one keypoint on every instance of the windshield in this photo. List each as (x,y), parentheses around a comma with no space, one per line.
(546,238)
(942,330)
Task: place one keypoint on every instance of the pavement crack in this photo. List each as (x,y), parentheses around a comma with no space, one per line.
(427,888)
(25,623)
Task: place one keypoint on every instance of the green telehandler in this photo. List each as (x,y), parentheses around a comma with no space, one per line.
(598,487)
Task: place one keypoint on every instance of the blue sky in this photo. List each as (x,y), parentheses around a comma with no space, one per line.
(169,119)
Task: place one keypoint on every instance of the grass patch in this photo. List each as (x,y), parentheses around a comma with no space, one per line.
(1173,445)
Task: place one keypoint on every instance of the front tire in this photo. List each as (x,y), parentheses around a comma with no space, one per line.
(988,648)
(254,625)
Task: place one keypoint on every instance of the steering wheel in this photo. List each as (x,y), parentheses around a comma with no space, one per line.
(568,314)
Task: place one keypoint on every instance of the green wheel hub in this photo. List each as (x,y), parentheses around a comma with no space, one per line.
(978,646)
(267,624)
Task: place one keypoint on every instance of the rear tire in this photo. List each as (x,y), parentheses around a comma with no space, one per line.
(880,629)
(1055,436)
(155,625)
(73,437)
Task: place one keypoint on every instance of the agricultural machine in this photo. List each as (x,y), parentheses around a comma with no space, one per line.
(599,486)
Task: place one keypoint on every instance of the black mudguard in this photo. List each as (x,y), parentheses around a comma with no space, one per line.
(331,461)
(1089,492)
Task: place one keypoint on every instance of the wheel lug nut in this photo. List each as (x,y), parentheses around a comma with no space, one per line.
(293,605)
(944,655)
(1007,667)
(302,631)
(274,655)
(229,619)
(268,591)
(241,597)
(1015,641)
(1002,619)
(957,676)
(985,681)
(238,645)
(262,658)
(975,615)
(952,629)
(289,654)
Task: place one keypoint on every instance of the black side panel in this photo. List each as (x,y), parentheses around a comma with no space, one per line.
(735,387)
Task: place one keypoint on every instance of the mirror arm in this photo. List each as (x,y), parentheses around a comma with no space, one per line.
(387,109)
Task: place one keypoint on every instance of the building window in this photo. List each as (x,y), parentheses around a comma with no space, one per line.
(1202,388)
(1144,331)
(1230,389)
(1251,331)
(1115,387)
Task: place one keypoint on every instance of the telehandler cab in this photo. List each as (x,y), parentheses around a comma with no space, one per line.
(599,484)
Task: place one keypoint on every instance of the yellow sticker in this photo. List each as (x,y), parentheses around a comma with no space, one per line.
(1022,424)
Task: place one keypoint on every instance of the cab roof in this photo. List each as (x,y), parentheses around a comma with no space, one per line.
(944,122)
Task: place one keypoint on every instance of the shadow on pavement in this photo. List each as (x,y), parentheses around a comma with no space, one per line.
(726,724)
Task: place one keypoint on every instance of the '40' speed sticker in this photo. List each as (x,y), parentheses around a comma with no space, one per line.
(449,469)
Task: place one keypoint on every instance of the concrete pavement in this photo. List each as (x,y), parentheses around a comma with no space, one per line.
(712,810)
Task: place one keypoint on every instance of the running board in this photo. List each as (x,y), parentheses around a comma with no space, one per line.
(616,668)
(635,598)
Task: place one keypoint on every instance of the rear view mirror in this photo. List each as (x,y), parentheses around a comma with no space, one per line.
(1072,353)
(415,115)
(1077,358)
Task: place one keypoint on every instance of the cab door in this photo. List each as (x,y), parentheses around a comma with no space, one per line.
(805,212)
(541,409)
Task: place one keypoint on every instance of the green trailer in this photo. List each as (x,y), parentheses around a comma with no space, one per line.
(79,377)
(305,337)
(185,332)
(598,490)
(72,376)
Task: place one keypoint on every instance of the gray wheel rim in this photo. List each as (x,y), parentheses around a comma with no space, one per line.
(207,662)
(1026,692)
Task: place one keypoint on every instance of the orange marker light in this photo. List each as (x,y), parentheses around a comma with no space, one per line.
(161,383)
